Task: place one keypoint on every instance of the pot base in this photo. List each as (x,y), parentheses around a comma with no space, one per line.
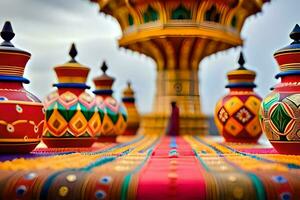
(17,147)
(130,131)
(107,139)
(68,142)
(287,147)
(237,140)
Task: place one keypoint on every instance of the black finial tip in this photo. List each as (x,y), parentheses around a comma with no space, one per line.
(129,83)
(295,34)
(104,67)
(7,34)
(241,60)
(73,52)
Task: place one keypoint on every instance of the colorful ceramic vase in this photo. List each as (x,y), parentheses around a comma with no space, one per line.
(128,100)
(115,115)
(280,114)
(236,114)
(72,116)
(21,116)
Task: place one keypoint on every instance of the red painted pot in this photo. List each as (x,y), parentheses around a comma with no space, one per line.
(21,116)
(280,114)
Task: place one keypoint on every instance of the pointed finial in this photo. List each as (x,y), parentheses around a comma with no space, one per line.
(7,34)
(295,34)
(73,52)
(241,61)
(129,84)
(104,67)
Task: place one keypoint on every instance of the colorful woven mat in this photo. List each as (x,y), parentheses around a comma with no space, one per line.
(150,167)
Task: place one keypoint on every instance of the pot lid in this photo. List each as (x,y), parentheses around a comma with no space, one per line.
(104,81)
(72,71)
(288,58)
(12,59)
(128,93)
(241,77)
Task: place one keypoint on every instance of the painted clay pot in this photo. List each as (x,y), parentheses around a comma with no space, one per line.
(21,116)
(72,116)
(236,114)
(133,122)
(280,114)
(115,115)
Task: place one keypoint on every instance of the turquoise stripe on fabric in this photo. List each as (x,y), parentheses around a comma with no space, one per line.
(255,180)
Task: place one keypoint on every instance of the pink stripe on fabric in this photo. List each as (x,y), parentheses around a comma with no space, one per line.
(159,179)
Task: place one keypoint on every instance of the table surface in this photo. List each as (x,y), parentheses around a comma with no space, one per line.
(152,167)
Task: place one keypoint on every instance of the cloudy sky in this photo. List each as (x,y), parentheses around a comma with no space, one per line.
(46,28)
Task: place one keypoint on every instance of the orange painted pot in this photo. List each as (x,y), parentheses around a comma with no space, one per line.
(115,115)
(72,117)
(236,114)
(134,118)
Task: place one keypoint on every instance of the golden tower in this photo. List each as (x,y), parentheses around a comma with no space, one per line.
(178,34)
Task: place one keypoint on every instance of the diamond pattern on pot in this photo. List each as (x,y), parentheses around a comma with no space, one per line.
(223,115)
(233,105)
(68,99)
(243,115)
(253,127)
(57,124)
(107,126)
(253,104)
(87,100)
(50,99)
(280,117)
(113,116)
(67,114)
(78,124)
(94,124)
(120,125)
(88,113)
(233,127)
(112,104)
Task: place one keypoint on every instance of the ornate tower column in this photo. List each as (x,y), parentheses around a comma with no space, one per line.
(178,34)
